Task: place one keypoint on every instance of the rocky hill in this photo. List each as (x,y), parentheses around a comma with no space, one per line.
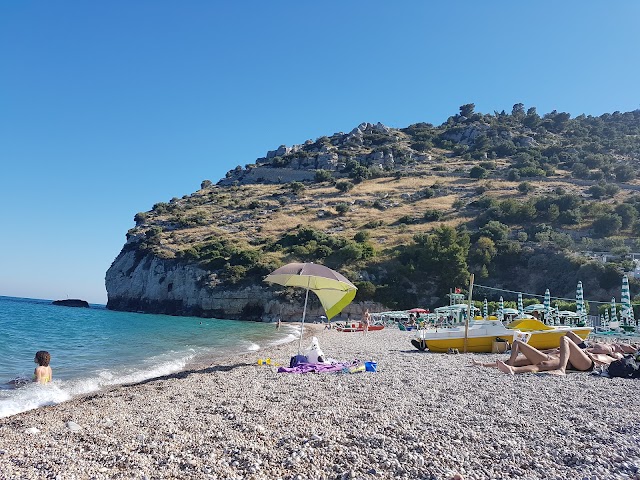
(521,200)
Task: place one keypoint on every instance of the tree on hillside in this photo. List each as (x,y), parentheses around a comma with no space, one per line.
(443,254)
(467,110)
(518,110)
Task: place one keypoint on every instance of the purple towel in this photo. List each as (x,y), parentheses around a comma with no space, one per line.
(314,368)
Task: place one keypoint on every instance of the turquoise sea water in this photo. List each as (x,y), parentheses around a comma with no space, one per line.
(92,348)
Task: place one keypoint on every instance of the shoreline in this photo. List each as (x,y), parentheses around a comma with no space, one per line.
(422,415)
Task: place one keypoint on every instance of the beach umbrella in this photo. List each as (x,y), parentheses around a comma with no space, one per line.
(614,312)
(547,306)
(418,310)
(625,303)
(580,308)
(501,309)
(605,323)
(485,309)
(333,289)
(520,306)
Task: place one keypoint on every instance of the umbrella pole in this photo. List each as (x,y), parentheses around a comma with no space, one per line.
(304,314)
(466,323)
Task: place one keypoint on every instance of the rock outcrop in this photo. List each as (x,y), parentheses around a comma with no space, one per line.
(71,302)
(139,282)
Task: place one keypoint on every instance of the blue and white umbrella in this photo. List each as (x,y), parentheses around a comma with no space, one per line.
(485,309)
(501,309)
(520,306)
(547,306)
(580,307)
(626,311)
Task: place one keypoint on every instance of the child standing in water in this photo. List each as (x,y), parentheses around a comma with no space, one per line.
(42,373)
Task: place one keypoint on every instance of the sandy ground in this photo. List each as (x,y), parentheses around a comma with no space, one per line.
(422,415)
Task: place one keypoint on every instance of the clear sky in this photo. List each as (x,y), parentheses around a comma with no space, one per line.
(109,107)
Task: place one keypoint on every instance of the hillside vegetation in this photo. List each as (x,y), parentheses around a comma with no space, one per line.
(516,198)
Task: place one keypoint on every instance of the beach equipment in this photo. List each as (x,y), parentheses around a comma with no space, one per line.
(417,310)
(626,312)
(520,306)
(358,327)
(580,307)
(614,312)
(606,323)
(332,289)
(482,333)
(501,309)
(485,309)
(547,306)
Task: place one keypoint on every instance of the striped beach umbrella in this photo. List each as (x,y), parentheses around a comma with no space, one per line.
(520,306)
(614,312)
(605,322)
(485,309)
(625,303)
(501,309)
(580,308)
(547,306)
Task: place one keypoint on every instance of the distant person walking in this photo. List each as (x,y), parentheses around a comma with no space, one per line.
(42,373)
(366,321)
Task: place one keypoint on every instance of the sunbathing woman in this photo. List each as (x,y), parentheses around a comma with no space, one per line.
(573,354)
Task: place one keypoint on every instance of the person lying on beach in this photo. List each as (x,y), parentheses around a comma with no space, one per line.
(42,373)
(573,354)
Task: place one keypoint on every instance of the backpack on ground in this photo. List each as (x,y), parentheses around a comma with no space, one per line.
(626,367)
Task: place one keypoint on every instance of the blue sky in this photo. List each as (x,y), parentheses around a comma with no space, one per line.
(109,107)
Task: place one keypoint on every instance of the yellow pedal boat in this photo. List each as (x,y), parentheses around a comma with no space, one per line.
(482,333)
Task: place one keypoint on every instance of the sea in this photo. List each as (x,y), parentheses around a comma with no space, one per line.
(95,348)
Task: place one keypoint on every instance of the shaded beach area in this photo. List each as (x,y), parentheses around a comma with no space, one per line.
(421,415)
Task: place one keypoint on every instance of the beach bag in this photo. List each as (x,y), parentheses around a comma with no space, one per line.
(626,367)
(499,345)
(371,366)
(297,360)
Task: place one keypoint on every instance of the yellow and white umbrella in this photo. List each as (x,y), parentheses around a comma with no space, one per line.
(333,289)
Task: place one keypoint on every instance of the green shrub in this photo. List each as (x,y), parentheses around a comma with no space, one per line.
(323,176)
(478,172)
(344,186)
(342,208)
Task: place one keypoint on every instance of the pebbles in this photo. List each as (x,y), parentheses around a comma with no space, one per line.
(421,415)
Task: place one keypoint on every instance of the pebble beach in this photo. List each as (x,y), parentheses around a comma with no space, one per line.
(420,416)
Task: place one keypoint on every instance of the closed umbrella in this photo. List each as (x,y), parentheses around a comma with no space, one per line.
(520,306)
(580,308)
(501,309)
(333,289)
(547,306)
(605,323)
(485,309)
(625,303)
(614,312)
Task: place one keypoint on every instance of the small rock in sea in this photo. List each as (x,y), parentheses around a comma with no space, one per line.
(73,426)
(32,431)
